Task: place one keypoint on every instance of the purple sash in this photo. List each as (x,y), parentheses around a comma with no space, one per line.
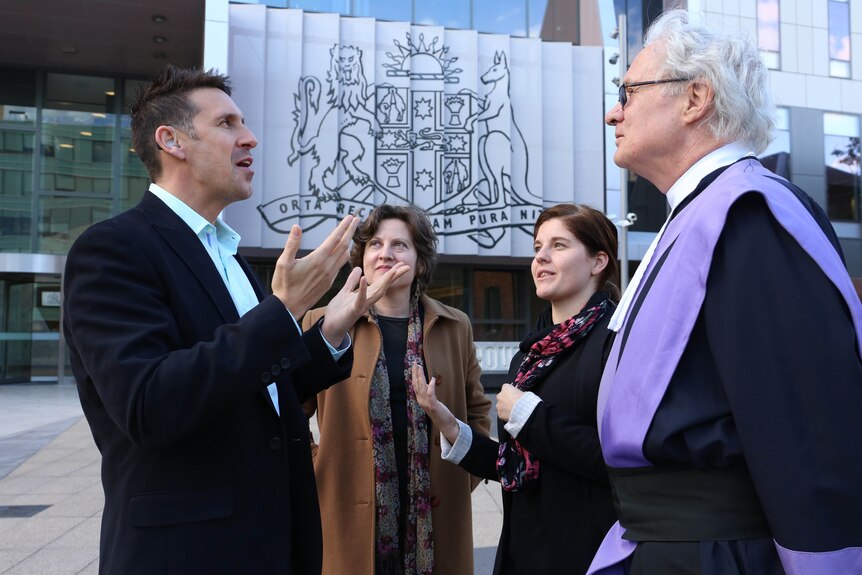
(633,386)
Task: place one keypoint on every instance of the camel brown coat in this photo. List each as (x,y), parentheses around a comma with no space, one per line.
(343,461)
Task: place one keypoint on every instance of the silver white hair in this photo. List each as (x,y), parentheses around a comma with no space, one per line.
(728,61)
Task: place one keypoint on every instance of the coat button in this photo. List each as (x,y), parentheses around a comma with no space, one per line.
(265,377)
(275,443)
(275,370)
(285,363)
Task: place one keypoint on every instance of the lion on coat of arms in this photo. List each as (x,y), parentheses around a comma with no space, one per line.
(346,102)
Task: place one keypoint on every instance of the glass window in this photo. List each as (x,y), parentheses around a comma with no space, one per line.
(18,96)
(498,313)
(777,156)
(768,32)
(134,179)
(396,10)
(841,145)
(500,16)
(77,134)
(449,13)
(63,219)
(338,6)
(538,13)
(839,38)
(17,133)
(635,25)
(447,286)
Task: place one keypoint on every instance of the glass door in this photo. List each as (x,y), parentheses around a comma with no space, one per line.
(29,327)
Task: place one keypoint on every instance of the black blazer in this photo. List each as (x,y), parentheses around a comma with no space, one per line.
(200,473)
(558,524)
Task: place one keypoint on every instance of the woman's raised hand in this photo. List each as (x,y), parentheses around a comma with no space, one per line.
(426,396)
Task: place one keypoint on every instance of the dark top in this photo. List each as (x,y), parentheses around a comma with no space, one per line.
(744,391)
(556,526)
(394,333)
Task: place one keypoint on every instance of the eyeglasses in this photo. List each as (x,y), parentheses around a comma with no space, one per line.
(624,88)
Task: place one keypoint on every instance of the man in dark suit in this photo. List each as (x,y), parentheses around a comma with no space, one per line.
(190,377)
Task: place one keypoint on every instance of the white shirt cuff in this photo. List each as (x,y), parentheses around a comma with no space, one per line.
(337,353)
(521,412)
(455,452)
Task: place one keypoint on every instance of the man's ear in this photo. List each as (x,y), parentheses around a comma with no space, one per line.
(166,140)
(699,101)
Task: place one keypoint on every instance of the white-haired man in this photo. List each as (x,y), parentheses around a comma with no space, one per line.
(728,410)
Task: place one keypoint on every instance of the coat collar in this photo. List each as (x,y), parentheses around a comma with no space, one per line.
(433,310)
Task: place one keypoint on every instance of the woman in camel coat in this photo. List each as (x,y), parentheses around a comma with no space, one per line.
(433,529)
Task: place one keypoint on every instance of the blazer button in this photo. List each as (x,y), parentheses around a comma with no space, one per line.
(285,363)
(275,370)
(265,377)
(275,443)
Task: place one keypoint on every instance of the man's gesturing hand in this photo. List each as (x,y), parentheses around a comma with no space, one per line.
(300,283)
(348,305)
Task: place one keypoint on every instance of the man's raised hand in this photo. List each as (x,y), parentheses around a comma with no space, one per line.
(300,283)
(350,304)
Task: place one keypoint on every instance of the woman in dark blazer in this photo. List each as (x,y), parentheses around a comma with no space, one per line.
(557,503)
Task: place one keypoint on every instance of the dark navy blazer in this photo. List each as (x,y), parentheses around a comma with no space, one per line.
(200,473)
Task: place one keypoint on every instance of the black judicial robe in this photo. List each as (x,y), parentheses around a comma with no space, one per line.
(742,393)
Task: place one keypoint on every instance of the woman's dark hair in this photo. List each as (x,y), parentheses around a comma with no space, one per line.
(593,229)
(421,231)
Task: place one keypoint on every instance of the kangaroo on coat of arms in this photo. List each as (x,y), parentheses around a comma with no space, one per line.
(346,104)
(501,131)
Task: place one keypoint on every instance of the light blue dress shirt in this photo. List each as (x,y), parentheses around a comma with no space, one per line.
(221,243)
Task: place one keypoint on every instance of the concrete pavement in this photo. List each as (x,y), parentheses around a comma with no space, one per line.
(51,495)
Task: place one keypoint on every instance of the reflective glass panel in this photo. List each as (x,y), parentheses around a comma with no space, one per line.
(776,157)
(768,32)
(842,159)
(449,13)
(447,285)
(497,313)
(397,10)
(63,219)
(768,37)
(538,10)
(17,121)
(839,38)
(134,179)
(500,16)
(338,6)
(77,134)
(839,69)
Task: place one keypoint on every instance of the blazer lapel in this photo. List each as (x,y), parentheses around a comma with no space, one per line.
(187,246)
(189,249)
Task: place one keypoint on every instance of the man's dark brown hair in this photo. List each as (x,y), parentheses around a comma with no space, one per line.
(164,101)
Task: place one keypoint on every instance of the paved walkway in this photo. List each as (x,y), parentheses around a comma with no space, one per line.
(51,494)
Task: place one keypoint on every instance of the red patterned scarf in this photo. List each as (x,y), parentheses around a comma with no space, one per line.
(516,466)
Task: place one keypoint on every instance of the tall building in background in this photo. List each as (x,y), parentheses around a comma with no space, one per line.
(482,112)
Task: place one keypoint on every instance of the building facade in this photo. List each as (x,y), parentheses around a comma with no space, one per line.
(427,73)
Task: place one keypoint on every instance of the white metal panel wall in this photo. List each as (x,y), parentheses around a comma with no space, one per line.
(480,130)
